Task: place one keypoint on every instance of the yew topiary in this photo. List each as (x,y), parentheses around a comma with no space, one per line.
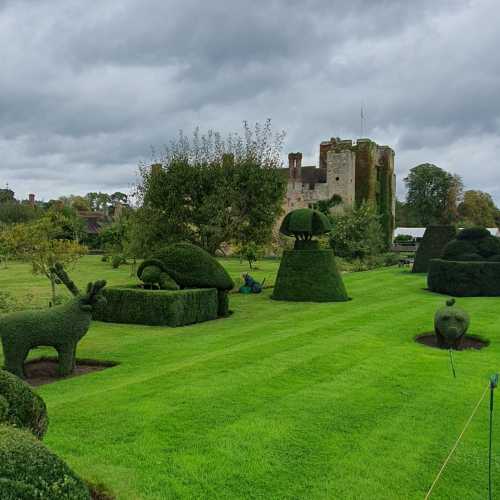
(450,324)
(431,247)
(29,470)
(20,406)
(61,327)
(303,224)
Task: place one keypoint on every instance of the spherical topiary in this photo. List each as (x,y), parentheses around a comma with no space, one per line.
(432,245)
(475,243)
(21,406)
(304,224)
(473,233)
(28,470)
(450,324)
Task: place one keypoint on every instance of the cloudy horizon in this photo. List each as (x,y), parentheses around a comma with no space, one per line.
(86,92)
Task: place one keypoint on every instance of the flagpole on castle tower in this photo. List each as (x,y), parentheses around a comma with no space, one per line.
(362,118)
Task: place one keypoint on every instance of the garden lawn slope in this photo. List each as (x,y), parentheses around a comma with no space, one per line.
(282,400)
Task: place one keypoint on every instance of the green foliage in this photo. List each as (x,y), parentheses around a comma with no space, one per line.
(473,233)
(250,252)
(433,194)
(152,276)
(23,407)
(16,213)
(356,233)
(157,307)
(474,243)
(478,209)
(304,223)
(30,471)
(309,276)
(450,324)
(404,238)
(117,261)
(61,327)
(464,279)
(208,190)
(432,246)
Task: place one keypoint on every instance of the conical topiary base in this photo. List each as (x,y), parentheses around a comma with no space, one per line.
(432,246)
(309,276)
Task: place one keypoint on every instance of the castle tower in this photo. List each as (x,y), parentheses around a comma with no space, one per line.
(341,174)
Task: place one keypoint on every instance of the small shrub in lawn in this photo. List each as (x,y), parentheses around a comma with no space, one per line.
(61,327)
(104,258)
(450,324)
(29,470)
(23,408)
(117,261)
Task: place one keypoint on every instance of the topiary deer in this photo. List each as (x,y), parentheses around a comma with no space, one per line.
(61,327)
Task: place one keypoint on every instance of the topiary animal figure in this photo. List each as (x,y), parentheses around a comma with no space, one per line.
(20,406)
(450,324)
(304,224)
(192,267)
(29,470)
(61,327)
(153,275)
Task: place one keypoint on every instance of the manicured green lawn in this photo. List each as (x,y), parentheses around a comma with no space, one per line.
(281,400)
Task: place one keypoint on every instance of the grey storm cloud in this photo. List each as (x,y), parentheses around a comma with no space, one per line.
(87,88)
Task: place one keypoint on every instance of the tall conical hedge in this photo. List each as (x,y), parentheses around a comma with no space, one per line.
(432,246)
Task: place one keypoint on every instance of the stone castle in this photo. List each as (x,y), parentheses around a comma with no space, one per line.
(352,172)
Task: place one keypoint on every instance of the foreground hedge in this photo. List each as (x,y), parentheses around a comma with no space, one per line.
(464,279)
(20,406)
(432,245)
(28,470)
(157,307)
(309,276)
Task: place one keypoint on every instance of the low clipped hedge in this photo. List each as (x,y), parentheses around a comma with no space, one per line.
(28,470)
(20,406)
(130,304)
(309,276)
(464,279)
(432,245)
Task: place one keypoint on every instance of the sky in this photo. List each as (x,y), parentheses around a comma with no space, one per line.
(87,89)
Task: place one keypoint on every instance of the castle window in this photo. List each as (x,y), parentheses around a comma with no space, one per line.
(337,179)
(311,186)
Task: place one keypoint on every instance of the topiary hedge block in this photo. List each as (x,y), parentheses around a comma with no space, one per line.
(309,276)
(464,279)
(28,470)
(157,307)
(432,245)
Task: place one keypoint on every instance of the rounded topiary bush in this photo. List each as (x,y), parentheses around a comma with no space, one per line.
(432,245)
(192,267)
(21,406)
(28,470)
(470,265)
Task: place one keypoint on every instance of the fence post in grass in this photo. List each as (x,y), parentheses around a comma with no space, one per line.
(493,385)
(452,363)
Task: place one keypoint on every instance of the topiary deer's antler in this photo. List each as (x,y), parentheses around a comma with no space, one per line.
(93,289)
(59,271)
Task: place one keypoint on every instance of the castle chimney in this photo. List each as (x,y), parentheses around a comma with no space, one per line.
(294,165)
(31,199)
(155,168)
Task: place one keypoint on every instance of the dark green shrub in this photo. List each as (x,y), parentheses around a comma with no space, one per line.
(455,249)
(464,279)
(22,407)
(309,276)
(157,307)
(192,267)
(152,275)
(494,258)
(304,223)
(61,327)
(432,246)
(29,471)
(473,233)
(450,324)
(104,258)
(117,261)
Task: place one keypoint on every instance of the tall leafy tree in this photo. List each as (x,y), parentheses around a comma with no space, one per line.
(210,190)
(433,194)
(478,209)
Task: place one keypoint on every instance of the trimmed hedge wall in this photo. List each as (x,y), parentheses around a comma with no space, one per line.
(157,307)
(309,276)
(464,279)
(432,245)
(28,470)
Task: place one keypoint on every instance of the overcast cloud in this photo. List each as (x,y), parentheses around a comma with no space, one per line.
(87,88)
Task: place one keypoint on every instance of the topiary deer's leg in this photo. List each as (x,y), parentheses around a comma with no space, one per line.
(15,355)
(66,359)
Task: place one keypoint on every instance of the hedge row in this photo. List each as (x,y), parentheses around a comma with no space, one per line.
(432,245)
(309,276)
(129,304)
(464,279)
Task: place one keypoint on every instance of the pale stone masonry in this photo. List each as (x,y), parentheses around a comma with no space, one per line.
(354,171)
